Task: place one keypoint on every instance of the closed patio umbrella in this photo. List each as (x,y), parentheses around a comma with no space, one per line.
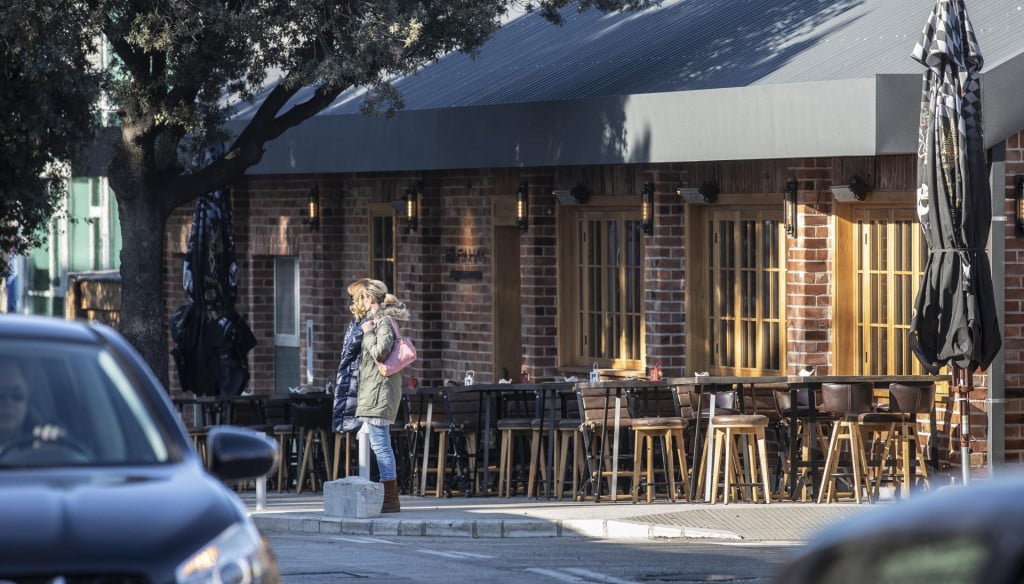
(954,320)
(211,339)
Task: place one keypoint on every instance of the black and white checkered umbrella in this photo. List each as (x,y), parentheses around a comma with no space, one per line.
(211,338)
(954,318)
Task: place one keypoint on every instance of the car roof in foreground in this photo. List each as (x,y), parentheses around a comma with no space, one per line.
(46,328)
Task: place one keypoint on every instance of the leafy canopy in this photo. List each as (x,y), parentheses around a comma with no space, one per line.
(48,96)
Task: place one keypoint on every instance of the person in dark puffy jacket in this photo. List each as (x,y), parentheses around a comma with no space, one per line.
(346,380)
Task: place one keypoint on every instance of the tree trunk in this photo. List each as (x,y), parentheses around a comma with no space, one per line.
(143,309)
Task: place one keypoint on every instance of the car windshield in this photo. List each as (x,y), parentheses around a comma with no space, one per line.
(71,404)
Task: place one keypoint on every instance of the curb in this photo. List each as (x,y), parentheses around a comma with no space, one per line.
(483,528)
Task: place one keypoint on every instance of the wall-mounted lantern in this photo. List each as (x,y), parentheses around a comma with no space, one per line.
(647,208)
(412,207)
(1018,205)
(523,206)
(789,197)
(313,208)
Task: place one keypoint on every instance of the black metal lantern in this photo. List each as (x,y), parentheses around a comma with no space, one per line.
(412,208)
(523,206)
(1018,206)
(790,207)
(647,208)
(313,208)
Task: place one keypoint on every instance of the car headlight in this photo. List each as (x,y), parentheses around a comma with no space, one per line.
(237,556)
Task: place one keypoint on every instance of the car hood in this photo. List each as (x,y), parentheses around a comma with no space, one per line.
(104,520)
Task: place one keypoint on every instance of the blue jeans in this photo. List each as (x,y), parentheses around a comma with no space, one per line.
(380,442)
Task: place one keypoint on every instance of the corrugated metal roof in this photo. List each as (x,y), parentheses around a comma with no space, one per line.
(688,45)
(685,81)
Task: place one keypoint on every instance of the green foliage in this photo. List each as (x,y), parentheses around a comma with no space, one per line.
(184,63)
(48,92)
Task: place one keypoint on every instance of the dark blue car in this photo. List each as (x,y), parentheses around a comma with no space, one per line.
(99,481)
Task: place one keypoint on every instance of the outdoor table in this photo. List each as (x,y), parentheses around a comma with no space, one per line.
(812,383)
(219,409)
(488,391)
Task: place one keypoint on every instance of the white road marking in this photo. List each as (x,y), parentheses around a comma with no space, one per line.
(362,540)
(555,574)
(457,555)
(577,575)
(597,577)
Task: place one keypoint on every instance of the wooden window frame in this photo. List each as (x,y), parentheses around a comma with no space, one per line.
(376,211)
(861,357)
(571,355)
(700,355)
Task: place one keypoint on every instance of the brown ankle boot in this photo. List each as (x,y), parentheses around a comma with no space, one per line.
(391,502)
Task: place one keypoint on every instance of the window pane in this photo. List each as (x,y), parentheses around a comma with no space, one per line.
(890,263)
(745,295)
(285,315)
(610,296)
(382,250)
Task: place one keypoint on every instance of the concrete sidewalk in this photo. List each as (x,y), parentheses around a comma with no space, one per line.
(779,522)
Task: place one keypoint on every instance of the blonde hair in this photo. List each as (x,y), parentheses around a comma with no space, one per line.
(388,302)
(355,289)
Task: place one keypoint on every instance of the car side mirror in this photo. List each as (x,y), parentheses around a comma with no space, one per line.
(237,454)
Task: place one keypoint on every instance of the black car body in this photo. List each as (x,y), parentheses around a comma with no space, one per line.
(953,535)
(105,485)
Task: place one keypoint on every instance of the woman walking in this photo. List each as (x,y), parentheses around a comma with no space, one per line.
(379,396)
(346,379)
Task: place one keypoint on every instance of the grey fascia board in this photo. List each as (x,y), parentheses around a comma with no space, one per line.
(899,113)
(1002,111)
(819,119)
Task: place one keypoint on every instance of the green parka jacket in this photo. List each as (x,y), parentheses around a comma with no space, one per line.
(378,396)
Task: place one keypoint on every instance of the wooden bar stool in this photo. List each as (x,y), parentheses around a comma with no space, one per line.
(905,403)
(800,412)
(848,401)
(314,424)
(342,440)
(670,431)
(512,430)
(727,430)
(569,437)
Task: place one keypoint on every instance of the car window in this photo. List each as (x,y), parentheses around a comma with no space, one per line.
(79,409)
(951,558)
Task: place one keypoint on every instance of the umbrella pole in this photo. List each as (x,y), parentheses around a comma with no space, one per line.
(963,381)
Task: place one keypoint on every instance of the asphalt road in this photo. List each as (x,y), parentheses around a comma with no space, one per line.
(332,558)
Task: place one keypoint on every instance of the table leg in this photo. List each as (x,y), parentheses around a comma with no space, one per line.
(486,443)
(552,429)
(695,451)
(601,446)
(793,463)
(538,412)
(615,447)
(427,431)
(709,479)
(812,439)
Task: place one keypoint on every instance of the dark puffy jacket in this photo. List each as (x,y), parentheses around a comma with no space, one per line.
(346,381)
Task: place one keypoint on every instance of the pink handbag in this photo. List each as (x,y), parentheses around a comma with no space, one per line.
(402,354)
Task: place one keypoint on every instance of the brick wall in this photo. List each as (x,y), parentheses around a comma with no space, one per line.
(808,272)
(452,320)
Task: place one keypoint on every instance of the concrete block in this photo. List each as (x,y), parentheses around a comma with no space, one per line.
(452,528)
(353,497)
(530,528)
(386,527)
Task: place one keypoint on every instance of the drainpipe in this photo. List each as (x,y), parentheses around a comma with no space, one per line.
(996,402)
